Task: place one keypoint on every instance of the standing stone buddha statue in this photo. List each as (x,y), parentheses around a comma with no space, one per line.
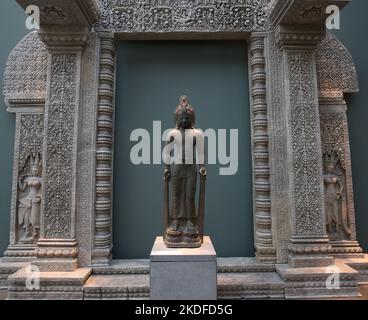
(183,224)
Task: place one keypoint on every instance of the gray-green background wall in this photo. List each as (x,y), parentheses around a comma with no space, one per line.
(353,34)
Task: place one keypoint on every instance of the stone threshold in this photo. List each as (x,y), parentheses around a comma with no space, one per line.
(238,278)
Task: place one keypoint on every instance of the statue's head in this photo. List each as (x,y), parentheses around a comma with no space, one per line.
(183,101)
(184,114)
(36,163)
(185,117)
(331,159)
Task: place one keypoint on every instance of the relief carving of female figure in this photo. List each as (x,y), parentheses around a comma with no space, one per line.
(29,208)
(337,221)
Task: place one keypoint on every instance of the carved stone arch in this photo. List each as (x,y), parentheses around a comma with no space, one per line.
(335,67)
(26,72)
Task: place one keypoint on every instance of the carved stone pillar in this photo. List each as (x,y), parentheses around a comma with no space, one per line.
(265,250)
(57,246)
(308,244)
(102,246)
(340,212)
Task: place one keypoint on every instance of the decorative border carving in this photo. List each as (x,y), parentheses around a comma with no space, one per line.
(182,15)
(265,251)
(279,177)
(86,151)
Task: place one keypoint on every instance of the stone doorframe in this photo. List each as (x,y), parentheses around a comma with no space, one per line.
(60,83)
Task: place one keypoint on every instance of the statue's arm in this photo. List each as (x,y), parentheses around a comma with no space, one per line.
(201,151)
(167,156)
(340,186)
(22,184)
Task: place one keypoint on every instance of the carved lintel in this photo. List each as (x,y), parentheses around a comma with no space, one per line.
(171,16)
(292,36)
(64,39)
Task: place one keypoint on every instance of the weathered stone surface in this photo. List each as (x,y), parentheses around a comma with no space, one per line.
(182,16)
(53,285)
(60,82)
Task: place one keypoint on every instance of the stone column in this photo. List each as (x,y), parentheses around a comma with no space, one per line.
(265,251)
(102,247)
(308,244)
(57,246)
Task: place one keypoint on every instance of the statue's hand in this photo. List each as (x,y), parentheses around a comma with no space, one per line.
(167,175)
(338,195)
(203,172)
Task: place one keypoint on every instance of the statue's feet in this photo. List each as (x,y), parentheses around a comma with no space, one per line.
(190,227)
(174,225)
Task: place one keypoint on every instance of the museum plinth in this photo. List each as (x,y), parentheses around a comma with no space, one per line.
(183,273)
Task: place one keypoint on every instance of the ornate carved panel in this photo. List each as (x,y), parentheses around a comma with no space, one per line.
(26,71)
(29,177)
(58,171)
(183,15)
(305,144)
(335,67)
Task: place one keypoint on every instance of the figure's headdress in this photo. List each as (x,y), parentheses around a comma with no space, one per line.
(186,109)
(331,157)
(36,162)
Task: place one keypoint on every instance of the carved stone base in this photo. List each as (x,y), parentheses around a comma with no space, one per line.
(238,278)
(309,253)
(358,264)
(7,269)
(314,283)
(117,287)
(56,255)
(53,285)
(182,239)
(20,253)
(346,249)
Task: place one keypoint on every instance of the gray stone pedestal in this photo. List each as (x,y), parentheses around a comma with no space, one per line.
(183,273)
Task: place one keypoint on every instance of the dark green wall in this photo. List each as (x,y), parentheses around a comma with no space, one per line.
(353,34)
(12,30)
(150,78)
